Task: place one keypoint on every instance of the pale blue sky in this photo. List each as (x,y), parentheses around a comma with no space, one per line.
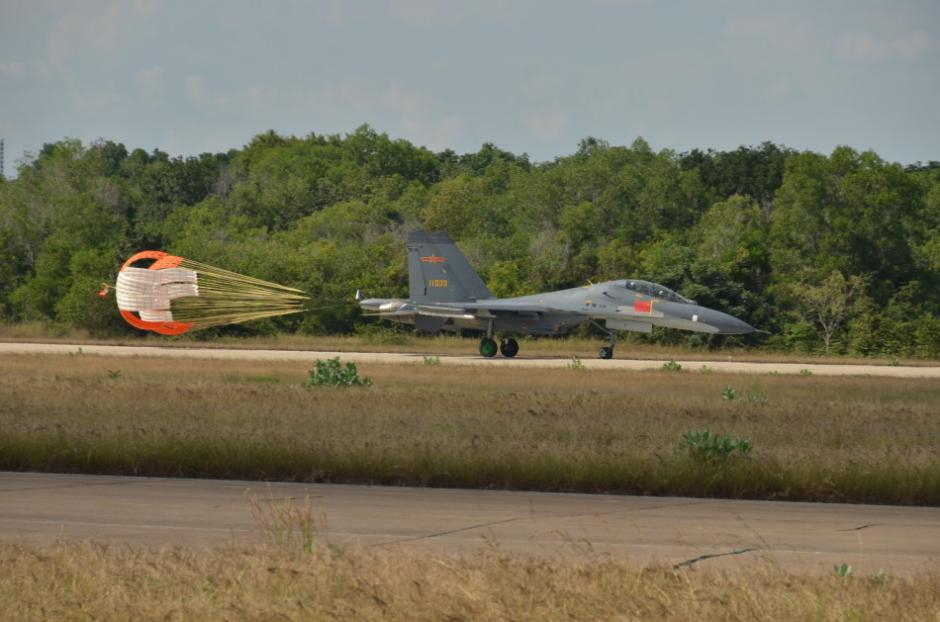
(531,76)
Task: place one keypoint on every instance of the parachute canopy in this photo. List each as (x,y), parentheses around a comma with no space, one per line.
(174,295)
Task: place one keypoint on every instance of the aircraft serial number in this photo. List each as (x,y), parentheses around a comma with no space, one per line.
(437,283)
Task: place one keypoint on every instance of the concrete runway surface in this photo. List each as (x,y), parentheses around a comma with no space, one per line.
(42,508)
(522,361)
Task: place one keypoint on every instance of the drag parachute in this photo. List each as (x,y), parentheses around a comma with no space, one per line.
(174,295)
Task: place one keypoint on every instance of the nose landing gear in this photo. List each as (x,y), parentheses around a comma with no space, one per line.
(607,352)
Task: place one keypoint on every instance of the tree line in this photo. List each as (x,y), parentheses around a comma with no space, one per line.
(837,252)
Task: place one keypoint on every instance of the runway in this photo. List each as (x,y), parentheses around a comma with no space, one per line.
(521,361)
(42,508)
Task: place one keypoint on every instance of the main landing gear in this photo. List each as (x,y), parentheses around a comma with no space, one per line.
(487,347)
(508,347)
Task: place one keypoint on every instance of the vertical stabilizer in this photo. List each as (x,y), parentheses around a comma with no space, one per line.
(438,271)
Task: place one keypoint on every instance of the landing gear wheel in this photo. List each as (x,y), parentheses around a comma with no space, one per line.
(606,353)
(509,348)
(487,347)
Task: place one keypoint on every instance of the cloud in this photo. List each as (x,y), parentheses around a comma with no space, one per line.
(779,89)
(619,3)
(427,13)
(258,98)
(420,116)
(150,81)
(12,70)
(866,47)
(545,125)
(541,83)
(339,13)
(146,7)
(99,26)
(94,100)
(418,12)
(196,90)
(251,99)
(767,37)
(912,45)
(398,108)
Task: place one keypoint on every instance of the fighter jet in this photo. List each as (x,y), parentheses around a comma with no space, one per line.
(446,294)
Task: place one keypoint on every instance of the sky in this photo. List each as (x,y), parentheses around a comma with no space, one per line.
(531,76)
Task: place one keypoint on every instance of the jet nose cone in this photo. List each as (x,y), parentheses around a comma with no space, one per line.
(727,324)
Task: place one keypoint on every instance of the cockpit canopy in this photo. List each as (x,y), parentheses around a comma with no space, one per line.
(655,290)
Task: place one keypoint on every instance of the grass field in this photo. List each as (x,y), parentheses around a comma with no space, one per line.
(385,340)
(86,581)
(813,438)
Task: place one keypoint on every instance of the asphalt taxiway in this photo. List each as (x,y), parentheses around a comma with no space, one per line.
(43,508)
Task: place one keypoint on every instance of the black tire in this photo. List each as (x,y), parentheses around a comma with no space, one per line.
(606,353)
(509,348)
(488,348)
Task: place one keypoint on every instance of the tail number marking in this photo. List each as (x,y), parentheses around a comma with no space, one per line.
(433,259)
(437,283)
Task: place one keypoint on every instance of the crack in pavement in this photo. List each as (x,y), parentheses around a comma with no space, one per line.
(860,527)
(532,517)
(694,560)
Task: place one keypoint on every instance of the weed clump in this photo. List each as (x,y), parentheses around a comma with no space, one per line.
(842,570)
(284,524)
(704,447)
(671,365)
(331,373)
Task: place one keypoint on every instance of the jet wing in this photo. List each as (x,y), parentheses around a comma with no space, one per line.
(400,313)
(485,309)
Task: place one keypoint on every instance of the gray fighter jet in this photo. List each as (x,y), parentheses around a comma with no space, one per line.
(446,294)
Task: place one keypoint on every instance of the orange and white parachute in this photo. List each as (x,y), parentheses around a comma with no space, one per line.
(173,295)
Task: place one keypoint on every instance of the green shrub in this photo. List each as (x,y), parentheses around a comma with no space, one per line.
(705,447)
(671,365)
(575,363)
(728,393)
(332,374)
(432,360)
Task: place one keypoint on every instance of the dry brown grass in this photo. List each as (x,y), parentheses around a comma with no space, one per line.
(98,582)
(389,341)
(814,438)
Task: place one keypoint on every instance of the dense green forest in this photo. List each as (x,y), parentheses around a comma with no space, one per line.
(837,252)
